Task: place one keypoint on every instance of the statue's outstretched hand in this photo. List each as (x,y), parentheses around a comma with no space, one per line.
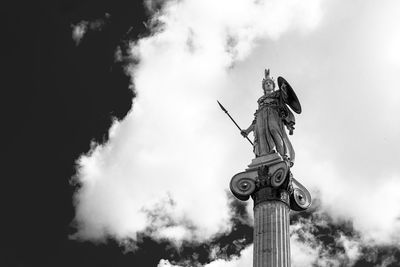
(244,133)
(290,127)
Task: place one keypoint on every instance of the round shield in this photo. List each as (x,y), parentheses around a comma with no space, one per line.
(292,100)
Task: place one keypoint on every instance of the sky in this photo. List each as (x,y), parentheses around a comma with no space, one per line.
(118,154)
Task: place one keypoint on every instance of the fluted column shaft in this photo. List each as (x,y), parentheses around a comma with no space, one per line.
(271,232)
(275,192)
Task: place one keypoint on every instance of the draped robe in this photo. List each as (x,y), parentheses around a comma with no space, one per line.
(268,126)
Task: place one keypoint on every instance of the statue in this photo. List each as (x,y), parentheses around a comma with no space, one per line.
(268,179)
(271,117)
(268,176)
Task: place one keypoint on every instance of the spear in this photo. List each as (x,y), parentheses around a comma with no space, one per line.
(222,107)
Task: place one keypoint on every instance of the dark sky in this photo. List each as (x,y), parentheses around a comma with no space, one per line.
(57,98)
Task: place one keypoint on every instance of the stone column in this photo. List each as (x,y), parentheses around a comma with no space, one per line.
(269,182)
(271,231)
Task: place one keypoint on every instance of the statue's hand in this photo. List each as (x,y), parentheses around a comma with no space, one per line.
(290,127)
(244,133)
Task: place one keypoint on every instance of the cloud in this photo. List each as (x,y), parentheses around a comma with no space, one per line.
(171,153)
(355,199)
(346,140)
(167,165)
(166,263)
(80,29)
(244,259)
(315,241)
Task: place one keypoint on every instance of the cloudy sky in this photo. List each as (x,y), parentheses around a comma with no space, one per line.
(118,154)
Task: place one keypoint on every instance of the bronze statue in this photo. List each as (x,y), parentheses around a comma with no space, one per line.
(272,115)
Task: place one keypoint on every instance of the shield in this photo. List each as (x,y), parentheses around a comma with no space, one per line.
(292,100)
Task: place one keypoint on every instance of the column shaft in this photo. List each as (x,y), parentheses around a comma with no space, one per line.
(271,234)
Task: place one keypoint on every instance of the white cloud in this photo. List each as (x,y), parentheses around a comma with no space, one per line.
(176,151)
(371,205)
(80,29)
(308,249)
(244,259)
(166,263)
(352,248)
(347,138)
(176,144)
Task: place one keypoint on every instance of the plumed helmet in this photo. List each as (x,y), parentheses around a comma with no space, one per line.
(267,78)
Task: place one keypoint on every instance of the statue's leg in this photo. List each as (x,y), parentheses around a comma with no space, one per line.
(268,133)
(280,146)
(275,132)
(264,144)
(270,145)
(289,146)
